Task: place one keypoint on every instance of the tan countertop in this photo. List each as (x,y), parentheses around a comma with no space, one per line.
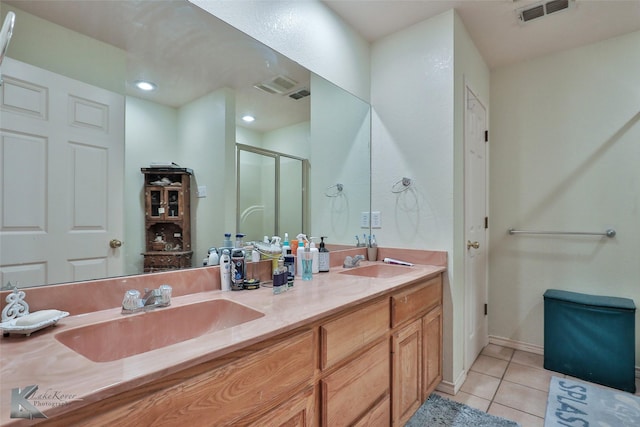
(64,376)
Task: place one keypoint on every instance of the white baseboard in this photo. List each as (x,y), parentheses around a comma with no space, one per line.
(516,345)
(452,388)
(531,348)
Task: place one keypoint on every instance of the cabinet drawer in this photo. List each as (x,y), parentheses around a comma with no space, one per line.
(347,334)
(351,391)
(415,301)
(226,394)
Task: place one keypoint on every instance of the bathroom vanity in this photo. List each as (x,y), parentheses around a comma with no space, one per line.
(348,348)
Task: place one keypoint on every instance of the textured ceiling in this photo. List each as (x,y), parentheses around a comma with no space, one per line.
(493,25)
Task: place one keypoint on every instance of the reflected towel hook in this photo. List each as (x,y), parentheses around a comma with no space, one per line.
(406,184)
(336,193)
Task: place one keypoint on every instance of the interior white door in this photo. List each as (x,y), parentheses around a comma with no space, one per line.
(475,195)
(62,159)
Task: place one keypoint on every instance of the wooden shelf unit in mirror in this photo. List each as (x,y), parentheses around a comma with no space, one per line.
(167,218)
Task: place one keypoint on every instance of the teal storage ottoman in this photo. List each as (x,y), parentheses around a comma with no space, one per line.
(590,337)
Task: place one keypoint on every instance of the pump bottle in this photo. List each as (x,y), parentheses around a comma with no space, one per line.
(323,257)
(299,252)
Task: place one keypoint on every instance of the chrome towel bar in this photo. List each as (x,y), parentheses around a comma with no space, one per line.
(610,232)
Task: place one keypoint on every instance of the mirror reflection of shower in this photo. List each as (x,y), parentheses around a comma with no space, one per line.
(271,193)
(5,36)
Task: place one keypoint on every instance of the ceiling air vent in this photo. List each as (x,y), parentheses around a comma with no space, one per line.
(277,85)
(541,9)
(302,93)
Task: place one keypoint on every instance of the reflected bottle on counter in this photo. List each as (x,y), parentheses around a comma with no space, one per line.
(280,278)
(237,270)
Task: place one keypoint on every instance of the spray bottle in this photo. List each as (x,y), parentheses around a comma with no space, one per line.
(302,238)
(225,270)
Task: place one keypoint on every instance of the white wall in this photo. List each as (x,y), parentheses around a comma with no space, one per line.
(206,143)
(151,134)
(564,156)
(418,102)
(340,152)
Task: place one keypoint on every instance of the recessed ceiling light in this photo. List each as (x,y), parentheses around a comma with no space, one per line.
(145,85)
(248,118)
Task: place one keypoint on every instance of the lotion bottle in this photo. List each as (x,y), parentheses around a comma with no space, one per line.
(315,256)
(213,257)
(225,270)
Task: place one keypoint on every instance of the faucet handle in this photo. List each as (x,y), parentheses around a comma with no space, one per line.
(131,300)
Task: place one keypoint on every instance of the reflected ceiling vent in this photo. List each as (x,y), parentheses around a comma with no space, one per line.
(279,85)
(299,94)
(539,10)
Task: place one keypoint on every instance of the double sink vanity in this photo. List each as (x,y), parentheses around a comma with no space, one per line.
(355,346)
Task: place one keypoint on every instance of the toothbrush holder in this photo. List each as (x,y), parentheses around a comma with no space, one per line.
(372,253)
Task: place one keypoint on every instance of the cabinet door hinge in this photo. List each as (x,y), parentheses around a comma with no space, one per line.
(486,222)
(486,136)
(486,309)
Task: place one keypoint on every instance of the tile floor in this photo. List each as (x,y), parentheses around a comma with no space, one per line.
(509,383)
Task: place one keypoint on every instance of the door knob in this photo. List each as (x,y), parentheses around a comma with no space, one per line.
(474,245)
(115,243)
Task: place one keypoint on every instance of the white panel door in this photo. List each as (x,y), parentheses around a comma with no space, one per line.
(62,160)
(475,197)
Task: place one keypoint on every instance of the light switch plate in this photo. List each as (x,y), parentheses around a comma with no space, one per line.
(364,220)
(202,191)
(376,220)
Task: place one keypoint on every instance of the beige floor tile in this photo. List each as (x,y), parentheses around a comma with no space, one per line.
(498,352)
(489,366)
(480,385)
(468,399)
(525,420)
(528,376)
(529,359)
(522,398)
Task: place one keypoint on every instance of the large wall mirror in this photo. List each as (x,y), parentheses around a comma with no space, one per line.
(62,205)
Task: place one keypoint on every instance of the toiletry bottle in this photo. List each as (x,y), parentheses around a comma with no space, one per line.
(213,257)
(280,278)
(323,257)
(315,255)
(237,270)
(285,244)
(225,270)
(301,241)
(290,265)
(307,263)
(239,244)
(227,241)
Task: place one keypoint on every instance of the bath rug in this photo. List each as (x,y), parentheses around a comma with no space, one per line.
(577,403)
(439,411)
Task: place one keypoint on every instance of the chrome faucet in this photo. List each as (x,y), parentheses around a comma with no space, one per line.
(152,298)
(350,262)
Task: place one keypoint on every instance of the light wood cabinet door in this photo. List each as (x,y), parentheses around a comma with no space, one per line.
(349,393)
(407,372)
(432,351)
(295,412)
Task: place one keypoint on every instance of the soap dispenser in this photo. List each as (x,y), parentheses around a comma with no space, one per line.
(315,256)
(323,257)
